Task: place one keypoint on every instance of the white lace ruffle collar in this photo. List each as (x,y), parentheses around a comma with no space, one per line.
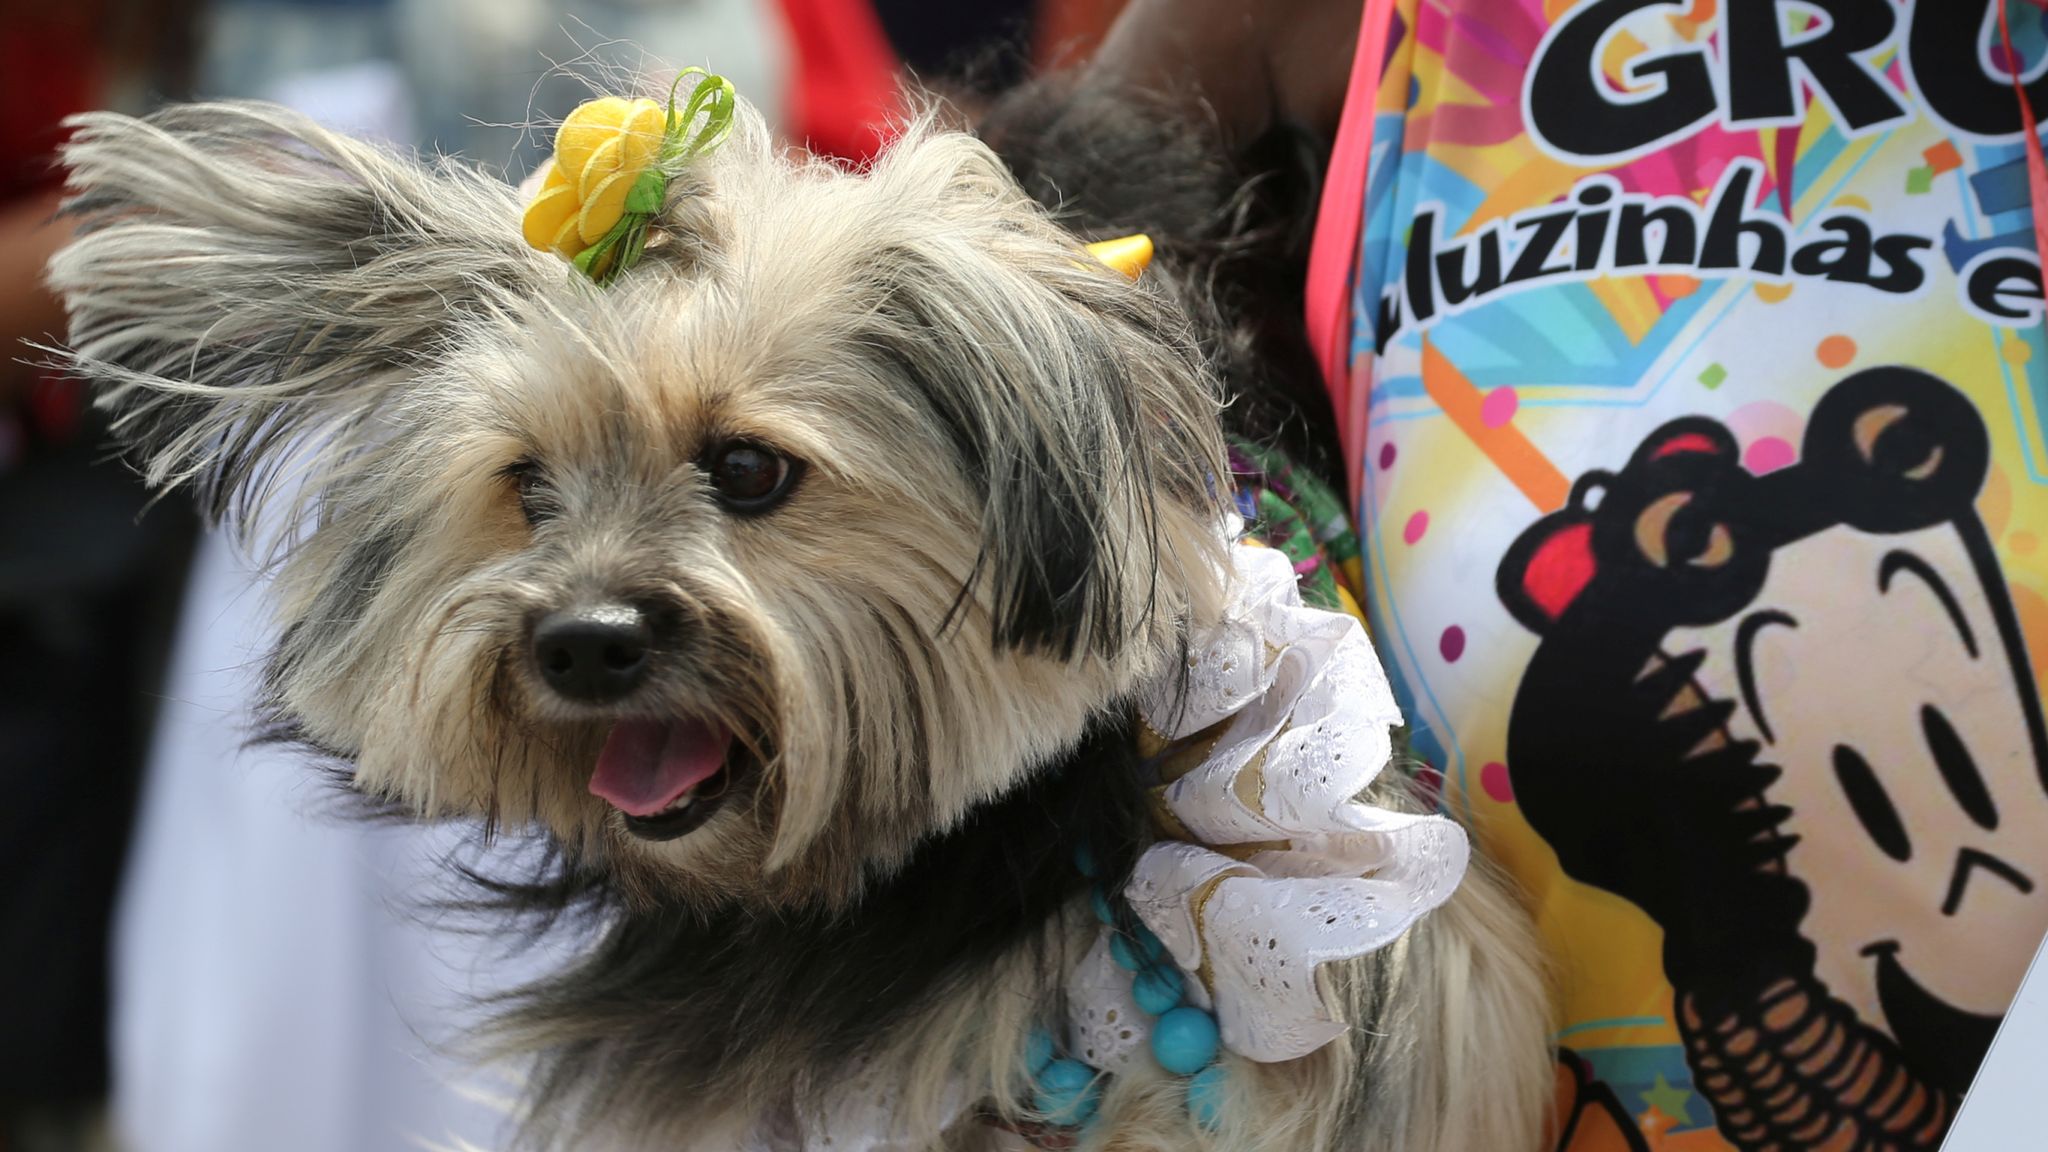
(1282,868)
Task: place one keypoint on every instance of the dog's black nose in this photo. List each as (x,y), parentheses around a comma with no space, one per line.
(593,654)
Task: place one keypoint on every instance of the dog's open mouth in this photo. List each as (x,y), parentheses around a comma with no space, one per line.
(666,777)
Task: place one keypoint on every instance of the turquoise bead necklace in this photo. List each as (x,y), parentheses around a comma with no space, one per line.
(1067,1092)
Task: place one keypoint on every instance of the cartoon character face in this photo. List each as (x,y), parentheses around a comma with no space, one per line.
(1847,614)
(1891,705)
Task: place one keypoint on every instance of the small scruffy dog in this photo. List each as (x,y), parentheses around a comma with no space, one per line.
(798,584)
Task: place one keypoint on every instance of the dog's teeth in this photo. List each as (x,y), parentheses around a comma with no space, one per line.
(680,803)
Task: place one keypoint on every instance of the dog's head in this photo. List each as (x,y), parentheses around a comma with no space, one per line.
(851,504)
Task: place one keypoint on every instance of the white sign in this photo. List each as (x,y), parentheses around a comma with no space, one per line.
(2001,1111)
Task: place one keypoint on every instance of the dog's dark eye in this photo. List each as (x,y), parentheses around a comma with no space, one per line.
(525,477)
(750,477)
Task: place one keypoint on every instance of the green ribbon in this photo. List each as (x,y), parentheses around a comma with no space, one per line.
(701,124)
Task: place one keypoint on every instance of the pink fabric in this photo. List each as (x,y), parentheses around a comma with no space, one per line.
(1332,257)
(2037,165)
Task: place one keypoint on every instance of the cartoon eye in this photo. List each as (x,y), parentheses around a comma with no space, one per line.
(750,478)
(1720,548)
(1655,523)
(1660,534)
(1906,452)
(1872,804)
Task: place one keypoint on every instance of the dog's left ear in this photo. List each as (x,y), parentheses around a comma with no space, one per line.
(1080,405)
(245,280)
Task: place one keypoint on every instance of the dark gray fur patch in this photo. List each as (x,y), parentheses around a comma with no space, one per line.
(356,578)
(1052,568)
(1231,233)
(673,1002)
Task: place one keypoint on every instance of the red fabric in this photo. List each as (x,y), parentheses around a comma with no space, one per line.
(843,90)
(48,70)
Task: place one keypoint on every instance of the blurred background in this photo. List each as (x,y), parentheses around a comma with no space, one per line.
(197,952)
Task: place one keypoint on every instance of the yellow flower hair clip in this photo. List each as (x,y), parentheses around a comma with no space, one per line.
(613,160)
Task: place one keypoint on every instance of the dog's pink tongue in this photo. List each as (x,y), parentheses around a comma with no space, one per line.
(647,765)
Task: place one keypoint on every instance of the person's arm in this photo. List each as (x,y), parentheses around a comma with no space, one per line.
(1255,63)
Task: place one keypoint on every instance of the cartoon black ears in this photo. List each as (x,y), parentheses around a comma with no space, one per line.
(1549,565)
(1896,449)
(1688,442)
(1638,518)
(1683,532)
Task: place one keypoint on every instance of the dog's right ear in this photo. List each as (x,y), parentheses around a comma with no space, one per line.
(245,281)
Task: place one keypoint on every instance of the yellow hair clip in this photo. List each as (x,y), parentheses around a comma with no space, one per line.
(610,172)
(1129,255)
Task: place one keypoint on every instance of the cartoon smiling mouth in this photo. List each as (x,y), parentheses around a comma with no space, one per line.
(1943,1042)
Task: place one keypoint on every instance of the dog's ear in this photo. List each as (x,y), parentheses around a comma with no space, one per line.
(1080,405)
(246,283)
